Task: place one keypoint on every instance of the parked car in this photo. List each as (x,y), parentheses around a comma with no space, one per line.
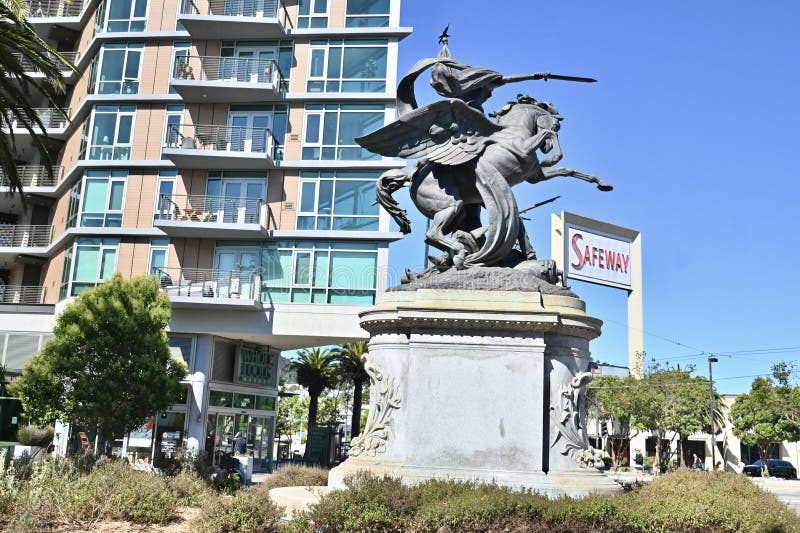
(775,467)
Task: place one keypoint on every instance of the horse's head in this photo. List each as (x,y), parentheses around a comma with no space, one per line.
(526,110)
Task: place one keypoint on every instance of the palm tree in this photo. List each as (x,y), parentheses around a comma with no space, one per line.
(22,50)
(351,363)
(316,370)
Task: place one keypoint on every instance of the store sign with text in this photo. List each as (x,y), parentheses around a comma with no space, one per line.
(598,258)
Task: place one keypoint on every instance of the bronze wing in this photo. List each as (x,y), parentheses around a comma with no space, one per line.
(448,132)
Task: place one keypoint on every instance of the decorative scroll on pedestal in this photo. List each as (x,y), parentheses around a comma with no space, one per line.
(373,440)
(574,440)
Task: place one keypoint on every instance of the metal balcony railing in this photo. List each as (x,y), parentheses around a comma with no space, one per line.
(21,294)
(224,139)
(14,236)
(29,66)
(210,283)
(53,8)
(233,69)
(35,176)
(239,8)
(213,209)
(51,117)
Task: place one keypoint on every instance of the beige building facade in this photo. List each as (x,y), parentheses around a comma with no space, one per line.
(209,143)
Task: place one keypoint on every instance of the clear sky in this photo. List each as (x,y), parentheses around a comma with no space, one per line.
(695,122)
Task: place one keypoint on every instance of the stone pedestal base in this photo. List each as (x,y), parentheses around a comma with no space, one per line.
(479,385)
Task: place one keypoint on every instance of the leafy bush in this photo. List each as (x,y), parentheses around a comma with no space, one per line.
(190,489)
(35,436)
(685,501)
(294,476)
(249,511)
(113,490)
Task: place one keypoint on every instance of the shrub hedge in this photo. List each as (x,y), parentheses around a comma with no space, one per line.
(295,476)
(685,501)
(249,511)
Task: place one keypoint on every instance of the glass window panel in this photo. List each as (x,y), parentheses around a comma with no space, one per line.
(306,222)
(312,128)
(319,22)
(140,9)
(351,297)
(356,223)
(355,198)
(109,265)
(320,269)
(319,296)
(325,196)
(117,191)
(244,401)
(334,62)
(302,269)
(112,65)
(278,295)
(307,193)
(103,132)
(304,7)
(324,223)
(320,7)
(132,66)
(329,129)
(158,259)
(86,260)
(94,199)
(353,270)
(265,403)
(317,62)
(363,62)
(301,296)
(357,125)
(125,123)
(367,7)
(120,9)
(220,398)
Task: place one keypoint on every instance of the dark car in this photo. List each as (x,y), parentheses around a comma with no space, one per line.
(776,468)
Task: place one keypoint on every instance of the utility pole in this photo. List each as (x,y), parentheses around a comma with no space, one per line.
(712,359)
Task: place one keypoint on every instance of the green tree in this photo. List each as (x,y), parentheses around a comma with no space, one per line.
(611,397)
(351,363)
(764,415)
(108,366)
(317,370)
(21,49)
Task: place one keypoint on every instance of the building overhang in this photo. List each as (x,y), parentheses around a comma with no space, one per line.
(226,91)
(221,27)
(210,230)
(214,159)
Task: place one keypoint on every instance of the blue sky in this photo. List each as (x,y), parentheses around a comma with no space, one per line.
(694,121)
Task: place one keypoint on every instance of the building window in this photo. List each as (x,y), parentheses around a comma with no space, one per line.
(347,66)
(173,117)
(236,197)
(337,201)
(90,262)
(180,50)
(111,132)
(331,130)
(319,272)
(367,13)
(255,367)
(127,15)
(182,346)
(312,14)
(248,125)
(165,194)
(158,257)
(120,68)
(73,208)
(103,198)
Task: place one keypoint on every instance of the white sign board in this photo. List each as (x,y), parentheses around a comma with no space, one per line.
(598,258)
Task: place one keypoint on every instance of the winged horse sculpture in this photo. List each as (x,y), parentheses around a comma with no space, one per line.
(466,162)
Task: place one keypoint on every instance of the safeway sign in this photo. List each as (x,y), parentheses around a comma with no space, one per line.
(598,258)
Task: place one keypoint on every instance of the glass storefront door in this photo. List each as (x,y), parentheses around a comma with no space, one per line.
(257,431)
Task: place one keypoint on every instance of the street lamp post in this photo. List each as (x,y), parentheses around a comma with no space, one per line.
(712,359)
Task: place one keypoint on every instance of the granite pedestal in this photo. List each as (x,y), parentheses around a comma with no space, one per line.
(479,385)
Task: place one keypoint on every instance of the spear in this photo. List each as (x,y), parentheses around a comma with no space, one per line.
(540,204)
(545,76)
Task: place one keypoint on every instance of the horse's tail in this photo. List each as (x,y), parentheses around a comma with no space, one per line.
(387,184)
(503,226)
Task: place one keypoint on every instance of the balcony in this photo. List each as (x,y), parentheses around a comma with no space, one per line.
(69,75)
(54,120)
(192,287)
(206,146)
(235,19)
(29,240)
(35,177)
(228,79)
(21,294)
(213,217)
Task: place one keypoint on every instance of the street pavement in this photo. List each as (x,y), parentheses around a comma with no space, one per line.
(787,490)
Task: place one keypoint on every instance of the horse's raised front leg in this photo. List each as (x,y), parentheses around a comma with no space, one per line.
(550,173)
(443,221)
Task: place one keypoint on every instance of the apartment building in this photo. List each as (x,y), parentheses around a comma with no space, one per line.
(209,143)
